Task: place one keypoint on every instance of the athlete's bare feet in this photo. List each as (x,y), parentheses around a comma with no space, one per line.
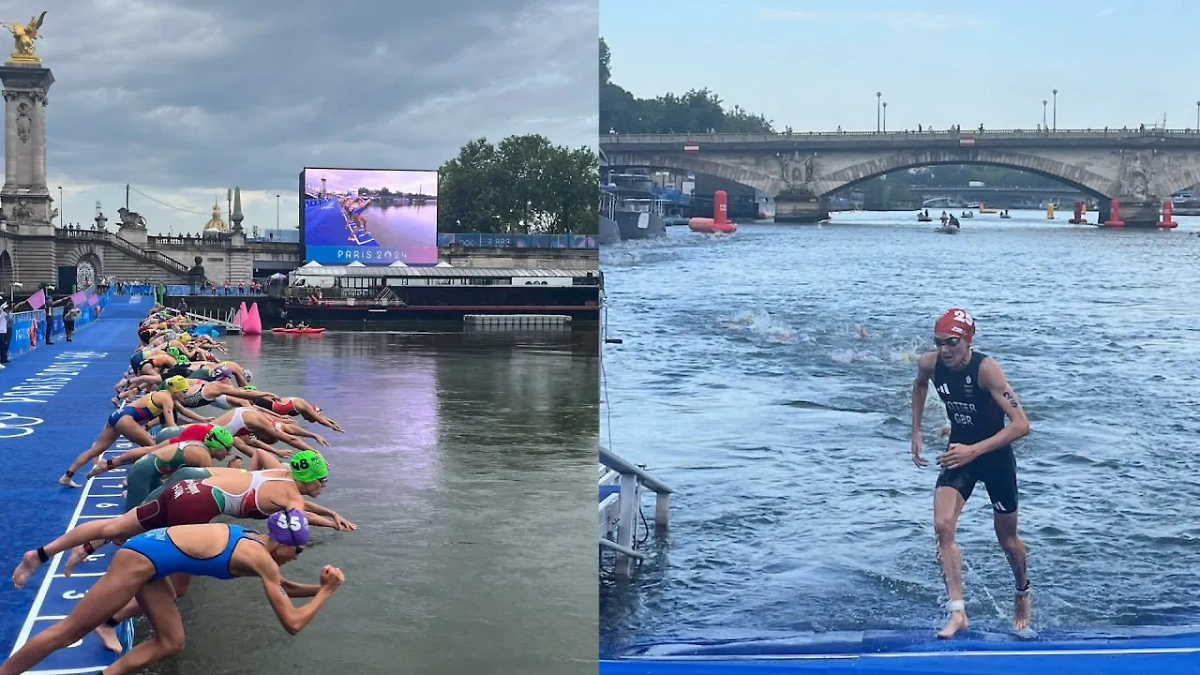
(108,636)
(66,481)
(958,621)
(77,556)
(1022,611)
(29,564)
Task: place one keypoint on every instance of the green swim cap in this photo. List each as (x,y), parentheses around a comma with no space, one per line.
(250,387)
(174,352)
(308,467)
(182,360)
(218,439)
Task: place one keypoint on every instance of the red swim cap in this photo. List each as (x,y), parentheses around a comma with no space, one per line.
(956,322)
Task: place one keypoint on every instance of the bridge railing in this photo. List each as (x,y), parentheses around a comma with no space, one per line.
(126,246)
(1032,134)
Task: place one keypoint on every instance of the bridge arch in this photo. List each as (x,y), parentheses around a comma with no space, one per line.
(88,268)
(750,176)
(1079,178)
(89,265)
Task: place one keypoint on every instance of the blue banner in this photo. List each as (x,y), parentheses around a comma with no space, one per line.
(22,342)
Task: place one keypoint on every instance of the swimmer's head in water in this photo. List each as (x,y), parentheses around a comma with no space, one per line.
(955,323)
(176,384)
(289,527)
(308,467)
(218,439)
(221,373)
(249,375)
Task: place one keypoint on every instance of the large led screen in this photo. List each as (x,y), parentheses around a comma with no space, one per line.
(375,217)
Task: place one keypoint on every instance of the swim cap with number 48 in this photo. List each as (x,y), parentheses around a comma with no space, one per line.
(308,466)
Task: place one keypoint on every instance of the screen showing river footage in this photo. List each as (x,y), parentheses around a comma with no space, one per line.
(375,217)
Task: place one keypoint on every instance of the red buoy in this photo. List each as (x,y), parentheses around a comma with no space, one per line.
(1114,215)
(1168,211)
(719,223)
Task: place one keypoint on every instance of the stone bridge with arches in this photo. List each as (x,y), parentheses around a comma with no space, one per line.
(1139,168)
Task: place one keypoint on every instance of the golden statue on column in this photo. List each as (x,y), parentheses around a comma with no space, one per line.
(23,37)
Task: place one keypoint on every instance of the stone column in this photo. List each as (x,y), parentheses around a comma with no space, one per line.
(25,197)
(800,207)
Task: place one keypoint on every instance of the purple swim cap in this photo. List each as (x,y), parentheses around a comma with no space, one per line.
(221,373)
(289,527)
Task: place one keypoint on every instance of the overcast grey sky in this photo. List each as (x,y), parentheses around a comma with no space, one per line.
(185,99)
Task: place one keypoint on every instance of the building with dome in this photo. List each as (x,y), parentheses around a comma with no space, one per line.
(215,226)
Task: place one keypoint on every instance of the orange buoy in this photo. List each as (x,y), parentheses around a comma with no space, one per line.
(719,223)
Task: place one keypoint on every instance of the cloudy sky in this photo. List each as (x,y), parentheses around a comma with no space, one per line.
(817,64)
(183,99)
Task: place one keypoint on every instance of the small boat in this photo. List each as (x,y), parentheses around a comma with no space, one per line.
(298,331)
(924,218)
(948,229)
(1005,215)
(967,214)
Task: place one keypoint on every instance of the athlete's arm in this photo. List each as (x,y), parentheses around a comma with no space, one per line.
(192,415)
(168,410)
(295,590)
(292,618)
(232,391)
(920,389)
(991,377)
(298,430)
(288,438)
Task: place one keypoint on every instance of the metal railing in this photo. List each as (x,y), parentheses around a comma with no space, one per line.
(620,503)
(1015,134)
(516,241)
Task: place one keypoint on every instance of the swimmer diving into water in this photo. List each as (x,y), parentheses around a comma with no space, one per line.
(140,569)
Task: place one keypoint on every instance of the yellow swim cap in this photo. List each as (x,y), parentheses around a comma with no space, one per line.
(184,337)
(177,383)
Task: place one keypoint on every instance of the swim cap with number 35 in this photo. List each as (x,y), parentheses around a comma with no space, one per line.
(288,527)
(308,467)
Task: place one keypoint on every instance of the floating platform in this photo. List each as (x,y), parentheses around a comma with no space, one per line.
(1158,650)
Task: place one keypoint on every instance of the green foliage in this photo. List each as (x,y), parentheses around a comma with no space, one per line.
(695,111)
(523,185)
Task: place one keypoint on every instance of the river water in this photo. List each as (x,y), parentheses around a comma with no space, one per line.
(469,467)
(743,383)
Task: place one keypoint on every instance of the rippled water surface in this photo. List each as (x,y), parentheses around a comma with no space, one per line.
(743,383)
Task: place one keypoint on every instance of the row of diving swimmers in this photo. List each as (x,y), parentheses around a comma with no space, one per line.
(174,489)
(258,419)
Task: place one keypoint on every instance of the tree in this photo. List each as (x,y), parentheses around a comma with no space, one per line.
(696,111)
(523,185)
